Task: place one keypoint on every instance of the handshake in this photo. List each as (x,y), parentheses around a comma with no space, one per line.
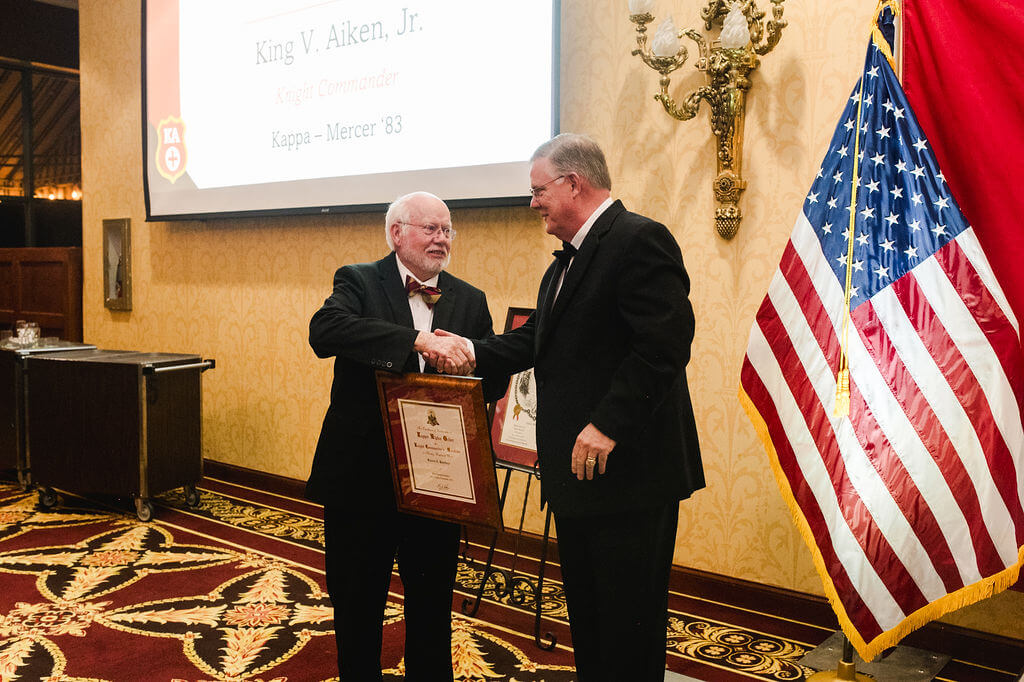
(448,353)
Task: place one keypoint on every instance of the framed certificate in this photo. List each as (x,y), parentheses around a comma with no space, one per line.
(514,427)
(442,464)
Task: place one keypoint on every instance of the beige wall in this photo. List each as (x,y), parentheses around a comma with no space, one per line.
(242,290)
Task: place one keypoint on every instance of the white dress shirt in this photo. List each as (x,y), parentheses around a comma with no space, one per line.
(581,234)
(422,314)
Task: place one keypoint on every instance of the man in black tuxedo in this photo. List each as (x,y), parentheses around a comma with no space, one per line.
(616,437)
(379,316)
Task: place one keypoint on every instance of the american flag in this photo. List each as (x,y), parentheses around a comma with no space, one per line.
(912,503)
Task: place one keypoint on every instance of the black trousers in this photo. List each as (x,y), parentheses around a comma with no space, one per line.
(360,551)
(615,569)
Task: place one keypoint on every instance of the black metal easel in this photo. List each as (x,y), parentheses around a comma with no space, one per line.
(516,585)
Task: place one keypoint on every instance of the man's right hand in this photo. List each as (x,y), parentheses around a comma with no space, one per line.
(447,352)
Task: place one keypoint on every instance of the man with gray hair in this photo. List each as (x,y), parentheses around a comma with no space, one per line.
(380,316)
(616,438)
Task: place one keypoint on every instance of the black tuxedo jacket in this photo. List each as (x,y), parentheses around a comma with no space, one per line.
(612,351)
(366,325)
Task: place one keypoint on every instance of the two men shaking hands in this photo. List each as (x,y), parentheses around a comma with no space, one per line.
(617,445)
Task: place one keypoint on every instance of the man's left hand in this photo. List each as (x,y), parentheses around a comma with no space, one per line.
(590,453)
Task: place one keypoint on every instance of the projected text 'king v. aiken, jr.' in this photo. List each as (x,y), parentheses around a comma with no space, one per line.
(337,35)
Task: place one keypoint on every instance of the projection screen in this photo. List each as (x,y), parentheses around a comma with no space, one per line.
(279,106)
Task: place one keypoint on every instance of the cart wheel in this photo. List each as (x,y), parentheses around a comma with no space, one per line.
(47,497)
(143,509)
(191,496)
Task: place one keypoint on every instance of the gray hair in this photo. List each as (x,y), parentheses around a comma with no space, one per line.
(398,212)
(575,153)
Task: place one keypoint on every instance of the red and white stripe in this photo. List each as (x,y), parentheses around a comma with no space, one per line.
(918,493)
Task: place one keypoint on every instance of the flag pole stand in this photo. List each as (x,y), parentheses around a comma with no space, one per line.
(846,670)
(903,663)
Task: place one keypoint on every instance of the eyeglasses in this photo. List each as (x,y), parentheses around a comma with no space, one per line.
(537,191)
(430,229)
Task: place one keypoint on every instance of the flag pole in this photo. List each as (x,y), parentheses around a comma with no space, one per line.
(842,404)
(846,670)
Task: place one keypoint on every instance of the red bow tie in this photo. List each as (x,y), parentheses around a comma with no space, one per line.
(430,294)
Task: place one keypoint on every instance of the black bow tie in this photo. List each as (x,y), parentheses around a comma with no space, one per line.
(565,254)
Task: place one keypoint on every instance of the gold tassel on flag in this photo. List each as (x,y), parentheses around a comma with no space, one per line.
(842,408)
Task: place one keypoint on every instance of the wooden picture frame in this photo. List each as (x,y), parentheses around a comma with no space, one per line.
(117,264)
(439,447)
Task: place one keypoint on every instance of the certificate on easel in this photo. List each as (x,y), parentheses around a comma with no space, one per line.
(439,446)
(514,427)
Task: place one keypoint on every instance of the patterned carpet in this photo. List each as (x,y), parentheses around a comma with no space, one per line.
(233,590)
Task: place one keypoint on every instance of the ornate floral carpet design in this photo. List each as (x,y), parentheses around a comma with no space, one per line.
(233,590)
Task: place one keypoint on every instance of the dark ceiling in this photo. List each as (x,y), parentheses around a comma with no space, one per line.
(39,43)
(39,32)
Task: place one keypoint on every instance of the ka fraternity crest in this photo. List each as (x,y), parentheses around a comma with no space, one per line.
(171,155)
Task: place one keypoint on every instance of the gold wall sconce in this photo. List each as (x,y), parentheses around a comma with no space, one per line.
(728,63)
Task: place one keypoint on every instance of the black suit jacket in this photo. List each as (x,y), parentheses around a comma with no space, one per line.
(366,325)
(612,351)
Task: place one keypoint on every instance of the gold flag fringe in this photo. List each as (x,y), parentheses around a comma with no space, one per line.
(867,650)
(876,33)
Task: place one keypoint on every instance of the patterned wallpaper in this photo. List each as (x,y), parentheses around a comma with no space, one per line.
(242,290)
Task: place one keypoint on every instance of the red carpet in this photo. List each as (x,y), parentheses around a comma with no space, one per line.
(233,590)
